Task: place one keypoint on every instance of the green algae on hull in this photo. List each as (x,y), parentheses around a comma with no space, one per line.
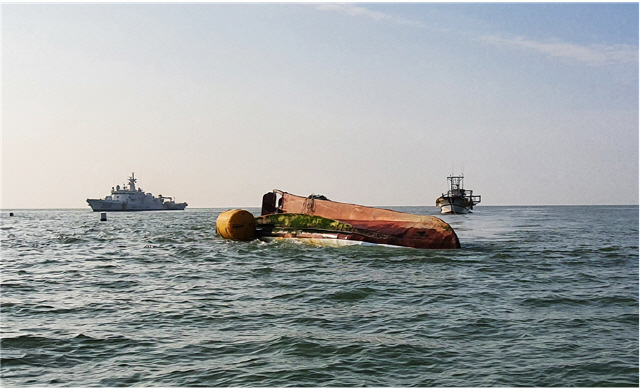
(303,221)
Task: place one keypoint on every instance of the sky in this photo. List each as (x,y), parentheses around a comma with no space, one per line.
(368,103)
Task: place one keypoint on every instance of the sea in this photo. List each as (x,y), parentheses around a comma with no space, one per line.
(536,296)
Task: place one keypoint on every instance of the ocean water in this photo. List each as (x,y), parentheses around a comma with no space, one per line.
(544,296)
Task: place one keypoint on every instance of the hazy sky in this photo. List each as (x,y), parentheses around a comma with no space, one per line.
(369,103)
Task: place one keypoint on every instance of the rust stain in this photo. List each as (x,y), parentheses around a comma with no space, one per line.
(382,226)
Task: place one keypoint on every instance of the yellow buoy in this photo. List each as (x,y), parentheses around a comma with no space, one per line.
(236,224)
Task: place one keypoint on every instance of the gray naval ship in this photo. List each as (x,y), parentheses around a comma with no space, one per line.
(132,199)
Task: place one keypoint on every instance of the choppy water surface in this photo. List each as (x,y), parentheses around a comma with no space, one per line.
(543,296)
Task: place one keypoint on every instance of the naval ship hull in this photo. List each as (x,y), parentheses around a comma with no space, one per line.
(101,205)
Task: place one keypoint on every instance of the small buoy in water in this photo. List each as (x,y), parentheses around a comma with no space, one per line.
(10,214)
(103,216)
(236,224)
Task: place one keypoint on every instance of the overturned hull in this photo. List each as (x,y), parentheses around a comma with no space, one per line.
(324,231)
(355,223)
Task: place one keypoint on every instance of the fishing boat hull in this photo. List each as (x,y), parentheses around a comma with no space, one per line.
(324,240)
(449,205)
(317,231)
(454,209)
(329,232)
(369,225)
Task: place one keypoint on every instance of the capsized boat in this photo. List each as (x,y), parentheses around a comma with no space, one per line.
(128,198)
(320,221)
(457,200)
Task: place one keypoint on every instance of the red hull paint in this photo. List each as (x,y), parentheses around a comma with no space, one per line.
(398,228)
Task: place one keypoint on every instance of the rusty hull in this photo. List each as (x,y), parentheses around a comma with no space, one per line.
(390,226)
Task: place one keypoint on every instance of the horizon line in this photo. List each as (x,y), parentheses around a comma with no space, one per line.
(258,207)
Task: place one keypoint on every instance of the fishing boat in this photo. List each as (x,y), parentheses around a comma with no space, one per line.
(128,198)
(320,221)
(457,200)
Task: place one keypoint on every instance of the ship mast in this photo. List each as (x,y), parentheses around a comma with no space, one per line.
(132,182)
